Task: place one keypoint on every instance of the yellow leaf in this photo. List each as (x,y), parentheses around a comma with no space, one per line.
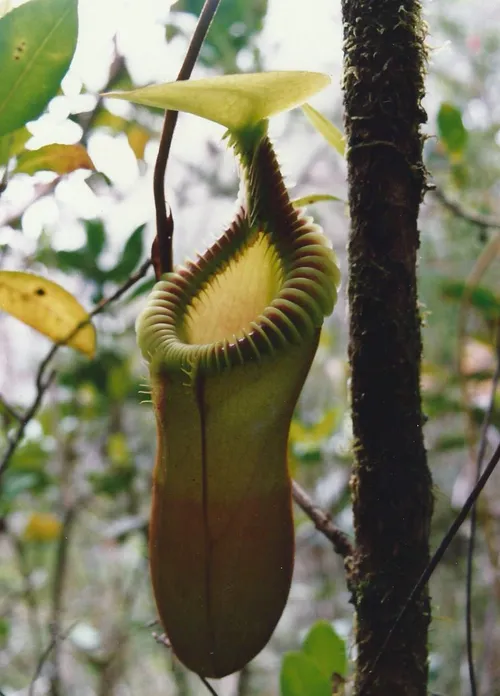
(106,119)
(42,526)
(138,138)
(48,308)
(118,451)
(61,159)
(234,101)
(330,132)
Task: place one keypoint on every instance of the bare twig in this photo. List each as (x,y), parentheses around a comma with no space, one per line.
(481,265)
(164,221)
(208,686)
(244,682)
(484,221)
(436,558)
(473,520)
(162,639)
(487,256)
(57,594)
(42,387)
(100,307)
(29,594)
(45,655)
(43,381)
(322,521)
(9,410)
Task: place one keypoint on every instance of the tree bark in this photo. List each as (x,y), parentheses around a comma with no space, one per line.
(384,57)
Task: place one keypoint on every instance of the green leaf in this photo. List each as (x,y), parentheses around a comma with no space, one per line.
(238,21)
(37,43)
(76,260)
(448,442)
(451,129)
(4,633)
(300,676)
(131,256)
(12,144)
(234,101)
(326,649)
(316,198)
(111,483)
(482,299)
(331,133)
(96,237)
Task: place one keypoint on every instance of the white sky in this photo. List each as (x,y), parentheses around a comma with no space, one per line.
(296,36)
(293,39)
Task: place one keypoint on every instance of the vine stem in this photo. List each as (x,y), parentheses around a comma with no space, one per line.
(436,558)
(483,443)
(164,220)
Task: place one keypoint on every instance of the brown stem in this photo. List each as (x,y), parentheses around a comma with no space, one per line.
(384,59)
(164,220)
(483,221)
(322,521)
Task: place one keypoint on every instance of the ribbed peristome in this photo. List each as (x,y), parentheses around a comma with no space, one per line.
(271,250)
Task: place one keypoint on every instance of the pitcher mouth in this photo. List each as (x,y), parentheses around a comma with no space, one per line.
(241,300)
(267,283)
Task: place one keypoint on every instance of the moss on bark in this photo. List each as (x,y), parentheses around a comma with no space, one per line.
(384,58)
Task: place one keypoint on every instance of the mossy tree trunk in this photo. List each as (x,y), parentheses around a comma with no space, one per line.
(391,484)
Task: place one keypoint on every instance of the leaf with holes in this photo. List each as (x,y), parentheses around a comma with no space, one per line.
(37,43)
(48,308)
(61,159)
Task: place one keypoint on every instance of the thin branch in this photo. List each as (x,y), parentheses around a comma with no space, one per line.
(100,307)
(57,594)
(42,387)
(322,521)
(436,558)
(10,411)
(244,682)
(164,220)
(473,520)
(43,381)
(29,594)
(208,686)
(45,655)
(162,639)
(483,221)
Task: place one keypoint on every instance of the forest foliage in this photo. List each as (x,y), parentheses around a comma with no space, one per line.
(77,446)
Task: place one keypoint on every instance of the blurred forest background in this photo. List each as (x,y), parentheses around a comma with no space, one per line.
(75,498)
